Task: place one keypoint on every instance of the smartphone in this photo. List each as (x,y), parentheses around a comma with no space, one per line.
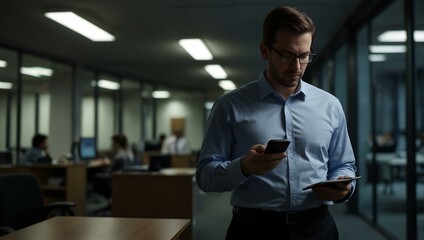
(277,145)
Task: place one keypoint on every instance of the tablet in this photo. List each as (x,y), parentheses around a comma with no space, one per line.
(331,182)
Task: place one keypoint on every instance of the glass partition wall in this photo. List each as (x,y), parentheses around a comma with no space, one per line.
(8,97)
(364,103)
(35,98)
(419,94)
(107,110)
(389,125)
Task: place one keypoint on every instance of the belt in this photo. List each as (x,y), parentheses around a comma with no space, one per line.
(284,217)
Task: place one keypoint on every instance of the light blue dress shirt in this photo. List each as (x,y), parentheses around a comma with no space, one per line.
(320,149)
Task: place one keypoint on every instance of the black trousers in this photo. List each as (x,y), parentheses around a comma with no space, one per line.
(257,224)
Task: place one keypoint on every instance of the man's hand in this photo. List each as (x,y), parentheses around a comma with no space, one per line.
(256,162)
(333,193)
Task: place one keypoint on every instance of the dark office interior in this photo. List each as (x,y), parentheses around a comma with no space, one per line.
(78,91)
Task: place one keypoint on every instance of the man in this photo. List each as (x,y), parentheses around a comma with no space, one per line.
(176,144)
(267,194)
(39,151)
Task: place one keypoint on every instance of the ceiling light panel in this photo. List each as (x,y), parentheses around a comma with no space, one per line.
(377,57)
(216,71)
(400,36)
(81,26)
(6,85)
(108,84)
(161,94)
(227,85)
(37,71)
(387,48)
(3,64)
(196,48)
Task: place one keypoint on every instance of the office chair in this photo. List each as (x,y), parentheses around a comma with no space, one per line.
(5,157)
(102,184)
(22,203)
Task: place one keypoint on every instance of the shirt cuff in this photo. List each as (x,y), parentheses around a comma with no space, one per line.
(236,174)
(348,195)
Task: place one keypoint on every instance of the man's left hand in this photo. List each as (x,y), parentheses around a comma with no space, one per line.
(333,193)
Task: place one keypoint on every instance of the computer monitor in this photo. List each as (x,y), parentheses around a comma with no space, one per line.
(87,148)
(152,146)
(157,162)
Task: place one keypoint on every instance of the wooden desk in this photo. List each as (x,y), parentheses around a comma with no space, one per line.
(391,165)
(61,182)
(165,194)
(102,228)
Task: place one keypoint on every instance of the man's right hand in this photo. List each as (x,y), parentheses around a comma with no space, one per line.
(256,162)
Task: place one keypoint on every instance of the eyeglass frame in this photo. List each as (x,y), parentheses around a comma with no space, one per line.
(311,55)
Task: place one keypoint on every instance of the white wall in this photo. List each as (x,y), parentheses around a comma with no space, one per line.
(44,113)
(187,105)
(27,119)
(87,116)
(3,119)
(132,116)
(60,134)
(106,122)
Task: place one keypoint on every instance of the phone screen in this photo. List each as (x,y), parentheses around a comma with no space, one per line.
(277,145)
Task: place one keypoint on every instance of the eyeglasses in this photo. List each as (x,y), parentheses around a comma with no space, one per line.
(288,57)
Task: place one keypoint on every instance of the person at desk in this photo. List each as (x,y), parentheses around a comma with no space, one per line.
(176,144)
(122,155)
(39,151)
(269,195)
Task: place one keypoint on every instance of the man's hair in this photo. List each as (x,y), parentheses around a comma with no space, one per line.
(121,140)
(286,18)
(38,139)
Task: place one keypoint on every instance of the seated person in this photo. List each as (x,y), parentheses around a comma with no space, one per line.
(176,144)
(122,156)
(39,151)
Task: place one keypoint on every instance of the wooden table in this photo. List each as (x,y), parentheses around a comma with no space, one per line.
(102,228)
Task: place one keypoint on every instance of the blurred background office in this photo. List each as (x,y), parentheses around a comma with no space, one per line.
(141,82)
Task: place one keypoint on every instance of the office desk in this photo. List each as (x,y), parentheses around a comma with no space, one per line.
(391,164)
(164,194)
(59,182)
(102,228)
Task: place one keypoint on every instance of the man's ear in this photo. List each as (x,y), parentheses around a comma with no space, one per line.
(264,51)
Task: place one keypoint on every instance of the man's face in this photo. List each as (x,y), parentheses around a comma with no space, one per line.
(287,74)
(44,145)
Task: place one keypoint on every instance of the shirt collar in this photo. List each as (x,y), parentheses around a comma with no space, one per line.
(265,88)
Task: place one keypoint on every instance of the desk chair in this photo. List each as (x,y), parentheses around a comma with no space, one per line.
(102,184)
(22,203)
(5,157)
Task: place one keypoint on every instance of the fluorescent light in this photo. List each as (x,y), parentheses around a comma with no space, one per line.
(400,36)
(227,85)
(208,105)
(3,64)
(216,71)
(377,57)
(6,85)
(103,83)
(81,26)
(387,48)
(37,71)
(161,94)
(196,48)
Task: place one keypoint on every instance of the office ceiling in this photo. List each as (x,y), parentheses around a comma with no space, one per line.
(147,34)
